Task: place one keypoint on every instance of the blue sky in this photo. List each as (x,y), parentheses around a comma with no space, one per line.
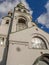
(39,10)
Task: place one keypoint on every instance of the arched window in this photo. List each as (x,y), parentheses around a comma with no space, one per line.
(22,21)
(7,21)
(38,43)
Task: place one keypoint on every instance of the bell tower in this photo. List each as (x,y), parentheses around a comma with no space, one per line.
(22,18)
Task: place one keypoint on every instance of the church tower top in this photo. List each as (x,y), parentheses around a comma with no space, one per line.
(21,8)
(21,5)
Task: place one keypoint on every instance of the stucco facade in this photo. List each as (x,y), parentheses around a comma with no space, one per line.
(22,42)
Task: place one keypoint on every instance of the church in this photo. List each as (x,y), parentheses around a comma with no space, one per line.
(22,42)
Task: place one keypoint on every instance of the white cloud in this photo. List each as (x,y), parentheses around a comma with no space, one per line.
(7,6)
(44,18)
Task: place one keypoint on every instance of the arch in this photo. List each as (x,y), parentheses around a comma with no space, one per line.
(21,20)
(7,21)
(44,58)
(42,38)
